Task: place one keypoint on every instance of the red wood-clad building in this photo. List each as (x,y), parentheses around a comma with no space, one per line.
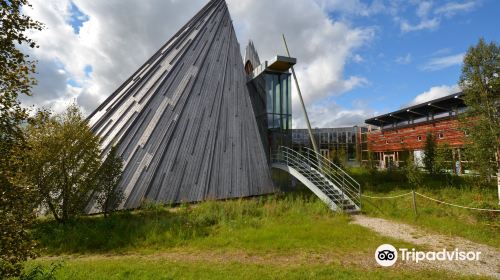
(401,132)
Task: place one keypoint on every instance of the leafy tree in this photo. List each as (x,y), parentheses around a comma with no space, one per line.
(16,207)
(108,197)
(339,157)
(443,159)
(62,162)
(17,213)
(412,172)
(429,159)
(371,163)
(444,162)
(481,87)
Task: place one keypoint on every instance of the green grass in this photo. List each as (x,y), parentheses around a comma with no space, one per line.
(269,224)
(140,268)
(288,231)
(482,227)
(292,235)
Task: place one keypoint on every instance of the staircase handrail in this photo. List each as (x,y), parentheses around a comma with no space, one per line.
(336,166)
(291,156)
(352,192)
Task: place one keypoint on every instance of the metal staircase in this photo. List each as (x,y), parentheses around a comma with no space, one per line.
(328,181)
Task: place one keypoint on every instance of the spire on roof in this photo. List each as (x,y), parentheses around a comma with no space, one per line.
(251,60)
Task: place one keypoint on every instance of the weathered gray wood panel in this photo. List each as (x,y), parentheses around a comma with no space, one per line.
(184,121)
(251,55)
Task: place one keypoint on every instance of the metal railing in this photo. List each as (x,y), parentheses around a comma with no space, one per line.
(331,179)
(351,186)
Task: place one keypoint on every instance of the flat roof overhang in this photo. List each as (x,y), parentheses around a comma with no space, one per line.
(281,63)
(277,64)
(436,106)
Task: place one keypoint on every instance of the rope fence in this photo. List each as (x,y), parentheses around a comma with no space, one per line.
(456,205)
(382,197)
(430,198)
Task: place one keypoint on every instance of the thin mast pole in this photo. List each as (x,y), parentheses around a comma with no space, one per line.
(301,101)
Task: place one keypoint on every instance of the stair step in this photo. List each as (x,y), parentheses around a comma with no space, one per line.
(327,182)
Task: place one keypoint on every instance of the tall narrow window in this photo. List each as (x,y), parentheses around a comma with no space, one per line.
(269,93)
(289,101)
(277,95)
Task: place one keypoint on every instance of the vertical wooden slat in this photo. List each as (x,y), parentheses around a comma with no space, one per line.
(184,122)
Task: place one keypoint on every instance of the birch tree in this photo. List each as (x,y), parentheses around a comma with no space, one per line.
(481,87)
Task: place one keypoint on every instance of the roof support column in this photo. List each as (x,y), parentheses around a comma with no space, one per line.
(301,101)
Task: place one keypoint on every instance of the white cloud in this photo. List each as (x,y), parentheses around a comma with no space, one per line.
(403,59)
(330,114)
(357,58)
(121,35)
(433,93)
(117,38)
(423,8)
(452,8)
(443,51)
(439,63)
(422,11)
(353,7)
(423,24)
(320,61)
(431,19)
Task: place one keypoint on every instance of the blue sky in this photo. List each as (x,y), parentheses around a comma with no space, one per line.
(356,58)
(396,63)
(77,17)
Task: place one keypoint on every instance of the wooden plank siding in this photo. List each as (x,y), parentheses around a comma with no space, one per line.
(407,138)
(184,123)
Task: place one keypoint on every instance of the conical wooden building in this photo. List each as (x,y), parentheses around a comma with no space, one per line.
(184,122)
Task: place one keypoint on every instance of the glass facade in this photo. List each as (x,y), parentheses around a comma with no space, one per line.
(278,109)
(343,145)
(271,94)
(279,101)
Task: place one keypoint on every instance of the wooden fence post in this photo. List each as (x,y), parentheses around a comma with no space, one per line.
(414,203)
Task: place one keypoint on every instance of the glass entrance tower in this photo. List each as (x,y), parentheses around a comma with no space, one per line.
(270,91)
(279,111)
(278,108)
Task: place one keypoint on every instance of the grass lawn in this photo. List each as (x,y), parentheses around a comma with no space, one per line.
(143,268)
(482,227)
(278,224)
(282,236)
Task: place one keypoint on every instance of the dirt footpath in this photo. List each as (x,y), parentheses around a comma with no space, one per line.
(488,264)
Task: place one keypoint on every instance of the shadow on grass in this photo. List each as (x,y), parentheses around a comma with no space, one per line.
(162,227)
(120,231)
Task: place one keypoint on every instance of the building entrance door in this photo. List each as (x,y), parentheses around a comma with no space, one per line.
(388,161)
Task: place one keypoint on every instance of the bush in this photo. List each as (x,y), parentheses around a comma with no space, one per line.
(40,272)
(413,174)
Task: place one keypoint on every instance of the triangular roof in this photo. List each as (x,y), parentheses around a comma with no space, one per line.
(184,122)
(251,55)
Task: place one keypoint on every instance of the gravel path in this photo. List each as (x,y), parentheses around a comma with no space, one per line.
(488,264)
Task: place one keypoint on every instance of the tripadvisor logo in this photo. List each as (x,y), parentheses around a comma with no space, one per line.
(387,255)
